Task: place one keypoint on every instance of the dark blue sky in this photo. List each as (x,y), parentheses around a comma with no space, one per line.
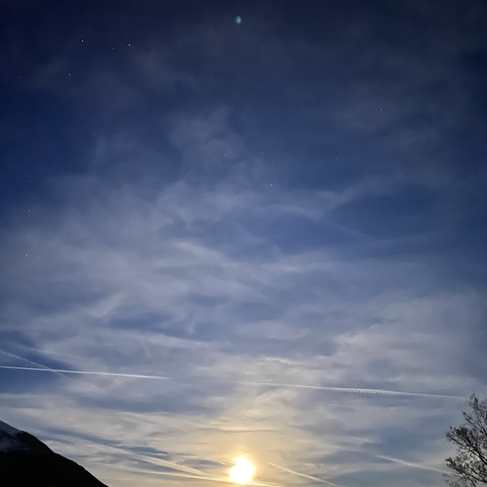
(278,216)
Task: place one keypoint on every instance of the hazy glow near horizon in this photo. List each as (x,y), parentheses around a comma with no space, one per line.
(242,472)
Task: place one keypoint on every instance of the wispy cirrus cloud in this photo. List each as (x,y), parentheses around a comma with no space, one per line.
(265,244)
(255,336)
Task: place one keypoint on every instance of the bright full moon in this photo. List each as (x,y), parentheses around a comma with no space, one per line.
(242,472)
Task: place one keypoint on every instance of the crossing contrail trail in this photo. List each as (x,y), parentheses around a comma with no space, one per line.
(354,390)
(85,372)
(181,470)
(90,384)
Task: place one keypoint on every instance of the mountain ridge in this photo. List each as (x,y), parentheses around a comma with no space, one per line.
(26,461)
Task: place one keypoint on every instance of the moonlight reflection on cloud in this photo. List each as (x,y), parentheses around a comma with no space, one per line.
(242,471)
(243,230)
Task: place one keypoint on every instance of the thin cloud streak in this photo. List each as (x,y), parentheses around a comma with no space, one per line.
(213,479)
(13,355)
(354,390)
(182,470)
(411,464)
(302,474)
(83,372)
(264,212)
(197,477)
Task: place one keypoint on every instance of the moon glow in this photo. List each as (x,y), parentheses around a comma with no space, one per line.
(242,472)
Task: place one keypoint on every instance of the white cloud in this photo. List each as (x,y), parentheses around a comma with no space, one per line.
(133,289)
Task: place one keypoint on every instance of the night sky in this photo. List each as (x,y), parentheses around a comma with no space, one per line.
(244,229)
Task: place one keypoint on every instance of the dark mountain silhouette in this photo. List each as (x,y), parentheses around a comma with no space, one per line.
(27,462)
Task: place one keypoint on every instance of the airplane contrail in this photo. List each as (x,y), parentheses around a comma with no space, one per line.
(311,477)
(198,477)
(355,390)
(85,372)
(43,368)
(213,479)
(410,464)
(182,470)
